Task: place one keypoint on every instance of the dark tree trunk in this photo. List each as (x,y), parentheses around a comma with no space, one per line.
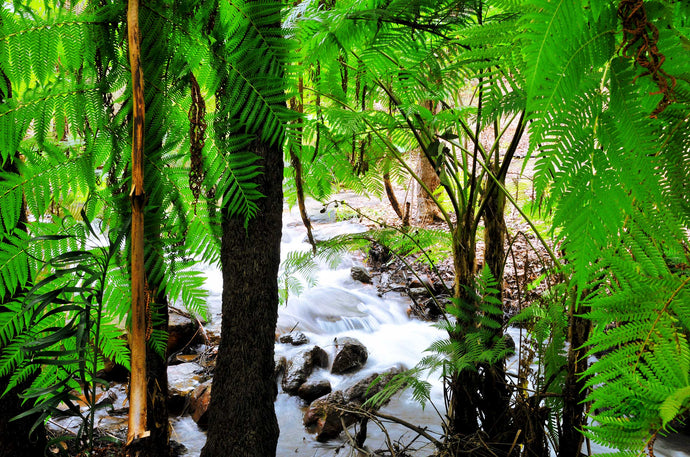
(158,445)
(464,386)
(297,104)
(14,435)
(242,420)
(574,392)
(494,389)
(404,216)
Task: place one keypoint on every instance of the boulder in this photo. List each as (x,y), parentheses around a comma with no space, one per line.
(182,380)
(323,417)
(360,274)
(363,390)
(279,367)
(311,390)
(294,338)
(199,400)
(182,332)
(324,414)
(350,355)
(301,366)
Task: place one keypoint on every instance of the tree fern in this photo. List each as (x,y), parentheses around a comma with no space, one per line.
(603,141)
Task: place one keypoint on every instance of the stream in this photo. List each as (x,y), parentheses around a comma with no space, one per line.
(339,306)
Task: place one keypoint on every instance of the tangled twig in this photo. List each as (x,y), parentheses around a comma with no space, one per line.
(641,37)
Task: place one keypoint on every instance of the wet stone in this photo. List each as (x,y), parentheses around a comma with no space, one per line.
(360,274)
(294,338)
(301,366)
(198,403)
(351,355)
(311,390)
(182,380)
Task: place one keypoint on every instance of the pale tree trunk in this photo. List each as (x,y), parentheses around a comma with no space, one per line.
(425,210)
(137,330)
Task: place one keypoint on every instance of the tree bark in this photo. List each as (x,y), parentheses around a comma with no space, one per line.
(426,209)
(158,444)
(494,389)
(242,419)
(574,392)
(464,386)
(137,330)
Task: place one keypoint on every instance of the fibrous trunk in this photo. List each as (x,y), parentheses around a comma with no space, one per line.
(494,389)
(574,391)
(158,445)
(464,386)
(242,419)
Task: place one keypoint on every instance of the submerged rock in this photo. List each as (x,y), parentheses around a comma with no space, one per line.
(301,366)
(351,355)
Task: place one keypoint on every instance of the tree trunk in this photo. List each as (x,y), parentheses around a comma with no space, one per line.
(426,209)
(296,163)
(137,330)
(494,389)
(242,419)
(158,445)
(574,392)
(464,386)
(14,435)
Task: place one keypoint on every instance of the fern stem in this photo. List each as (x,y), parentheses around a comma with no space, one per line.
(510,198)
(656,321)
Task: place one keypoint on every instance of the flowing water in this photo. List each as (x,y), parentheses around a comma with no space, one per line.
(339,306)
